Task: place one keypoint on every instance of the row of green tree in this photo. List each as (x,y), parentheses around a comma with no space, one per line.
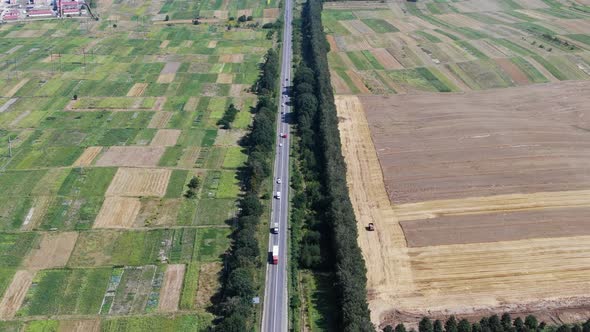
(492,323)
(323,220)
(240,281)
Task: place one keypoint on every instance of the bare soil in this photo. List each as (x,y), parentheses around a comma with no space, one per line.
(515,73)
(138,88)
(54,250)
(171,288)
(506,226)
(519,140)
(231,58)
(139,182)
(133,156)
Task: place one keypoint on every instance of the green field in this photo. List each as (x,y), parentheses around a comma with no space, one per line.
(72,91)
(462,41)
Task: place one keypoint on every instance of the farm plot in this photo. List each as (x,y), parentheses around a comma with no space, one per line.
(491,141)
(449,47)
(139,182)
(485,183)
(171,287)
(77,291)
(131,156)
(106,127)
(53,251)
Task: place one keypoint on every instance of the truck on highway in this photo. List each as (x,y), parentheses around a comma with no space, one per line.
(275,254)
(275,228)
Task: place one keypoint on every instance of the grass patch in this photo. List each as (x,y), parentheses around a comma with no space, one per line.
(234,157)
(471,49)
(176,184)
(531,72)
(379,25)
(14,246)
(429,37)
(180,323)
(215,211)
(212,243)
(171,156)
(77,291)
(190,286)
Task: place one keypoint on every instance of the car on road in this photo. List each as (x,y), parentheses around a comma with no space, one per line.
(279,180)
(283,135)
(281,145)
(278,195)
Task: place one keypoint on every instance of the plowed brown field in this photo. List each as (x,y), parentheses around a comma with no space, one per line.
(492,191)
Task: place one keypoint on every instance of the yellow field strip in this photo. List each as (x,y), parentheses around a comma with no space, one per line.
(492,204)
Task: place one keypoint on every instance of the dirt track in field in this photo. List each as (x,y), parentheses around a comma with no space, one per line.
(171,288)
(542,268)
(54,250)
(15,294)
(160,120)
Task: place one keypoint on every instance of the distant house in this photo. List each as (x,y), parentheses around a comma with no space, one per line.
(70,7)
(39,13)
(10,15)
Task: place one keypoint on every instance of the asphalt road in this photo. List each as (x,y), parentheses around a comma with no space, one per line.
(274,315)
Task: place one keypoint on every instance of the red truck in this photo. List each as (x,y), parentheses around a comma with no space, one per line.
(275,255)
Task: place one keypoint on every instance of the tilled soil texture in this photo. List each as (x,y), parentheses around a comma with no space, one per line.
(497,227)
(524,140)
(171,288)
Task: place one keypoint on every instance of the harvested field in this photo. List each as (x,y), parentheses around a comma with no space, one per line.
(132,156)
(386,59)
(165,137)
(117,212)
(88,156)
(54,250)
(139,182)
(160,120)
(86,325)
(168,73)
(171,288)
(490,143)
(137,89)
(15,294)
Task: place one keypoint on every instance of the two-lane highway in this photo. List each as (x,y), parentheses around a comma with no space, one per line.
(275,314)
